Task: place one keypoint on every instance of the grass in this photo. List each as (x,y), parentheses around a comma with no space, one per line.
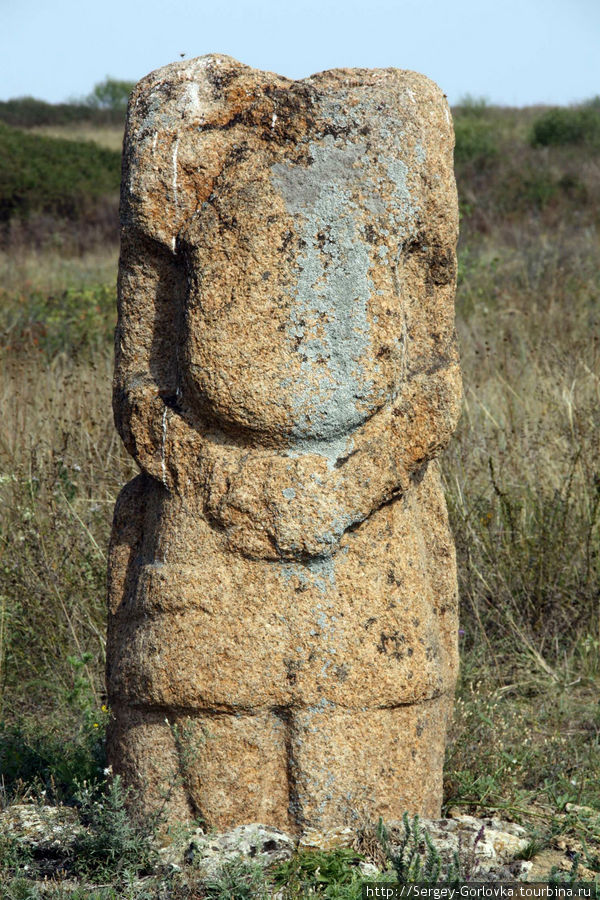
(528,442)
(58,483)
(109,136)
(522,479)
(523,482)
(333,873)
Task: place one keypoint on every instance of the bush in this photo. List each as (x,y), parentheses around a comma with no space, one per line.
(473,107)
(237,879)
(475,141)
(417,859)
(52,763)
(327,873)
(52,175)
(111,94)
(567,125)
(112,844)
(28,112)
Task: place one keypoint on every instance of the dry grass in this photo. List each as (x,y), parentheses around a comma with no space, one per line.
(109,136)
(61,466)
(523,472)
(27,270)
(523,486)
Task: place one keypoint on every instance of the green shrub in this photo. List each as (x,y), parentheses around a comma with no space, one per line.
(567,125)
(237,879)
(417,858)
(324,873)
(113,843)
(44,757)
(111,94)
(51,762)
(14,854)
(476,141)
(472,107)
(52,175)
(19,889)
(28,112)
(530,187)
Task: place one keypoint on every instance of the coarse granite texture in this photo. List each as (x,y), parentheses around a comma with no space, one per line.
(282,588)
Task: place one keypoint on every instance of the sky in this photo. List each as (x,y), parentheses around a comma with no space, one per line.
(510,52)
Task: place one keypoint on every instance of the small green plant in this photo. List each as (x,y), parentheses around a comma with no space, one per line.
(237,879)
(417,858)
(558,878)
(19,888)
(51,763)
(535,846)
(14,855)
(113,844)
(332,873)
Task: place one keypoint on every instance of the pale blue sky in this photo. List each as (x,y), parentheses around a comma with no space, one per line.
(512,52)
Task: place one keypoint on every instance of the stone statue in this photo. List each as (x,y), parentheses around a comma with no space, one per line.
(282,587)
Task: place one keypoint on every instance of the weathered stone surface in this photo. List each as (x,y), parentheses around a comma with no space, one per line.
(488,848)
(256,842)
(45,828)
(282,630)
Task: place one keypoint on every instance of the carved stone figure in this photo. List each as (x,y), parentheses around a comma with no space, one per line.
(282,587)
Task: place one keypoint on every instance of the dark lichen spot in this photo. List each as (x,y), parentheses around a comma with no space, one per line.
(341,672)
(370,235)
(392,645)
(292,666)
(287,239)
(343,459)
(322,239)
(238,153)
(219,79)
(442,267)
(392,578)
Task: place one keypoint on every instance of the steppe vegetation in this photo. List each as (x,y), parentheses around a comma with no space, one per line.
(522,478)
